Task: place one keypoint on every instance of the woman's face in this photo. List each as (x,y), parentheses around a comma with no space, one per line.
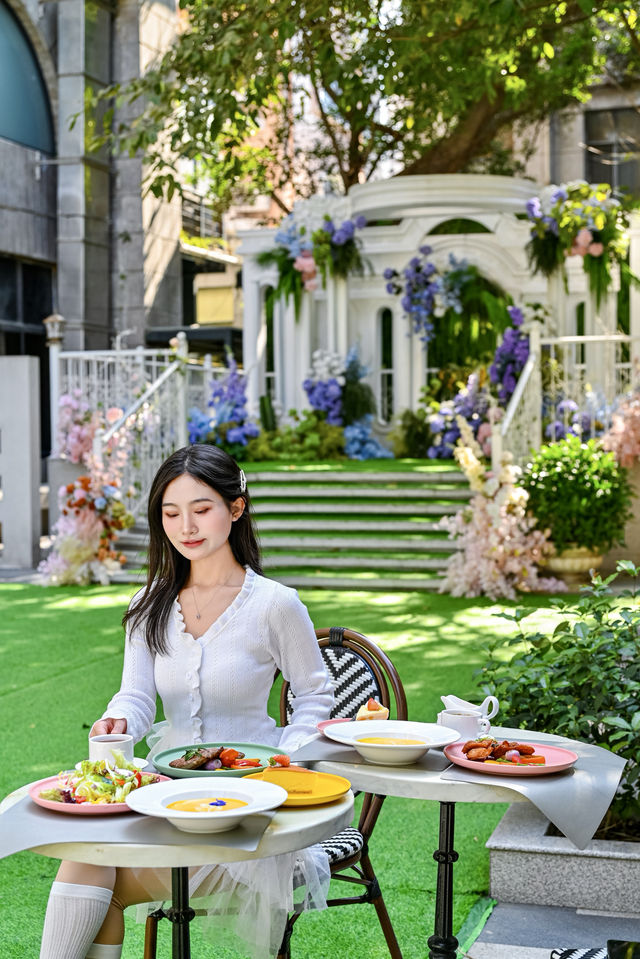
(196,519)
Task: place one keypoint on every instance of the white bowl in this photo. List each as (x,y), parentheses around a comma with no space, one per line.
(423,736)
(259,797)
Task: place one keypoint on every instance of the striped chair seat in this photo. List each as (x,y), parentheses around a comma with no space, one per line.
(343,845)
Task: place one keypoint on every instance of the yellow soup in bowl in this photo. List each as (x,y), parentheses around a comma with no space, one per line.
(390,741)
(206,804)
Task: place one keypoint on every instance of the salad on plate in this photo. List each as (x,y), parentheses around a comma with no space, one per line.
(99,783)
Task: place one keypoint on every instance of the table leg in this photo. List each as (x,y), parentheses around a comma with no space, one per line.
(443,944)
(180,914)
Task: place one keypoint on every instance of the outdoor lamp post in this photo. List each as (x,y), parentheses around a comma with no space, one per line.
(55,326)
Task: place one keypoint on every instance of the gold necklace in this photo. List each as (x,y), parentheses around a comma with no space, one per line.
(195,600)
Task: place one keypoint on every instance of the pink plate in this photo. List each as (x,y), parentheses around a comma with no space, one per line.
(556,759)
(78,809)
(329,722)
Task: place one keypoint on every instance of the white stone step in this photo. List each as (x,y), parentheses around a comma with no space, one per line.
(356,493)
(278,561)
(391,584)
(340,525)
(356,543)
(362,509)
(356,476)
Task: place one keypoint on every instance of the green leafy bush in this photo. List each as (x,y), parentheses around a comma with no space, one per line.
(582,681)
(579,492)
(309,438)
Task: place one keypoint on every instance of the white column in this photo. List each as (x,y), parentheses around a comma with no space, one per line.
(331,337)
(341,288)
(634,293)
(302,359)
(288,373)
(54,325)
(253,340)
(557,302)
(403,347)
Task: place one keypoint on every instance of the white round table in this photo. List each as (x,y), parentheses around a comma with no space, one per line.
(416,782)
(290,829)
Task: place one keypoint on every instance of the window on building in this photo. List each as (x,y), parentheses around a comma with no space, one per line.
(26,298)
(386,365)
(613,148)
(270,364)
(25,114)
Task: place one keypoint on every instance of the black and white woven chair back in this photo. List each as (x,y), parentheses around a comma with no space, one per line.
(599,953)
(352,679)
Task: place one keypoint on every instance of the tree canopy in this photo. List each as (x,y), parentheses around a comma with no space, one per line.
(281,96)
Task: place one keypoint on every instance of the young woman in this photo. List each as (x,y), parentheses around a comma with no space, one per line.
(206,633)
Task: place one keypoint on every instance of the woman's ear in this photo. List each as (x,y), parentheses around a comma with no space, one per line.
(237,509)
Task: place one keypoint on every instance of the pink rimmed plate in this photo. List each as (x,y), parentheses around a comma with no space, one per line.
(556,760)
(330,722)
(78,809)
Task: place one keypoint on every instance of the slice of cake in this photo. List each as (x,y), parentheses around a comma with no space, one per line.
(373,710)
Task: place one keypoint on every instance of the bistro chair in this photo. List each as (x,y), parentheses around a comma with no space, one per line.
(359,670)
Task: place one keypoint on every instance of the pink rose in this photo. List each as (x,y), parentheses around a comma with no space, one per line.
(595,249)
(581,242)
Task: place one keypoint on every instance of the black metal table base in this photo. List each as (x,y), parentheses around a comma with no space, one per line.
(180,914)
(443,944)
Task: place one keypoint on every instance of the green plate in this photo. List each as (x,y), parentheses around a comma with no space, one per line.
(251,751)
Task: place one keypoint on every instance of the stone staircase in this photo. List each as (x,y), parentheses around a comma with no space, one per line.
(344,528)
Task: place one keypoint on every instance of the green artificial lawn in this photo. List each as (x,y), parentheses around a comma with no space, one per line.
(62,657)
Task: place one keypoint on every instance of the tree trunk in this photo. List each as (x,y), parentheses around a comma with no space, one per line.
(471,137)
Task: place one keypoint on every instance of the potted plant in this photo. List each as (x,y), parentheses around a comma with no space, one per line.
(579,492)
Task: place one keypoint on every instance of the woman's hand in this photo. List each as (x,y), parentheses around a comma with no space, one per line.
(105,726)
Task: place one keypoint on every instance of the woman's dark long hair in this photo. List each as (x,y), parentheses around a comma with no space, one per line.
(168,570)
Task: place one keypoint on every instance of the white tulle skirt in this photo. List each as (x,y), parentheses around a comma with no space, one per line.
(246,904)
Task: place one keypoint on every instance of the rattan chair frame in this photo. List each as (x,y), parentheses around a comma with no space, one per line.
(358,869)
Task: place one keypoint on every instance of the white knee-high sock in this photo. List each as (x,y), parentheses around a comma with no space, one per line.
(99,950)
(74,916)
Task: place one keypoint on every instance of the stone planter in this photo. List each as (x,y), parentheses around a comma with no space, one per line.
(529,866)
(573,565)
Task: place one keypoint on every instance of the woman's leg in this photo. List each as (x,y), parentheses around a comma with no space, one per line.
(131,887)
(78,903)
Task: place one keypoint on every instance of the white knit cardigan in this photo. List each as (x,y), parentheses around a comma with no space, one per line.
(215,688)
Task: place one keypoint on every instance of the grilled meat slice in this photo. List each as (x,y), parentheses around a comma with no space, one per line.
(479,753)
(196,757)
(478,744)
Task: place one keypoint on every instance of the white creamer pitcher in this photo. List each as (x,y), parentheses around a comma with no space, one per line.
(487,708)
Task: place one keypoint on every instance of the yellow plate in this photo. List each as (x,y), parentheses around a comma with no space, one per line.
(325,788)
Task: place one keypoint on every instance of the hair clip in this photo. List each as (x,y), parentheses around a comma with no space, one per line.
(243,481)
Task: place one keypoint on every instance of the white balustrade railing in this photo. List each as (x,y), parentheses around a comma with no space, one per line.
(154,389)
(519,431)
(567,381)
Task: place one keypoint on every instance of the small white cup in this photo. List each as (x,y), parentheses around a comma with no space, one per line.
(101,747)
(469,723)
